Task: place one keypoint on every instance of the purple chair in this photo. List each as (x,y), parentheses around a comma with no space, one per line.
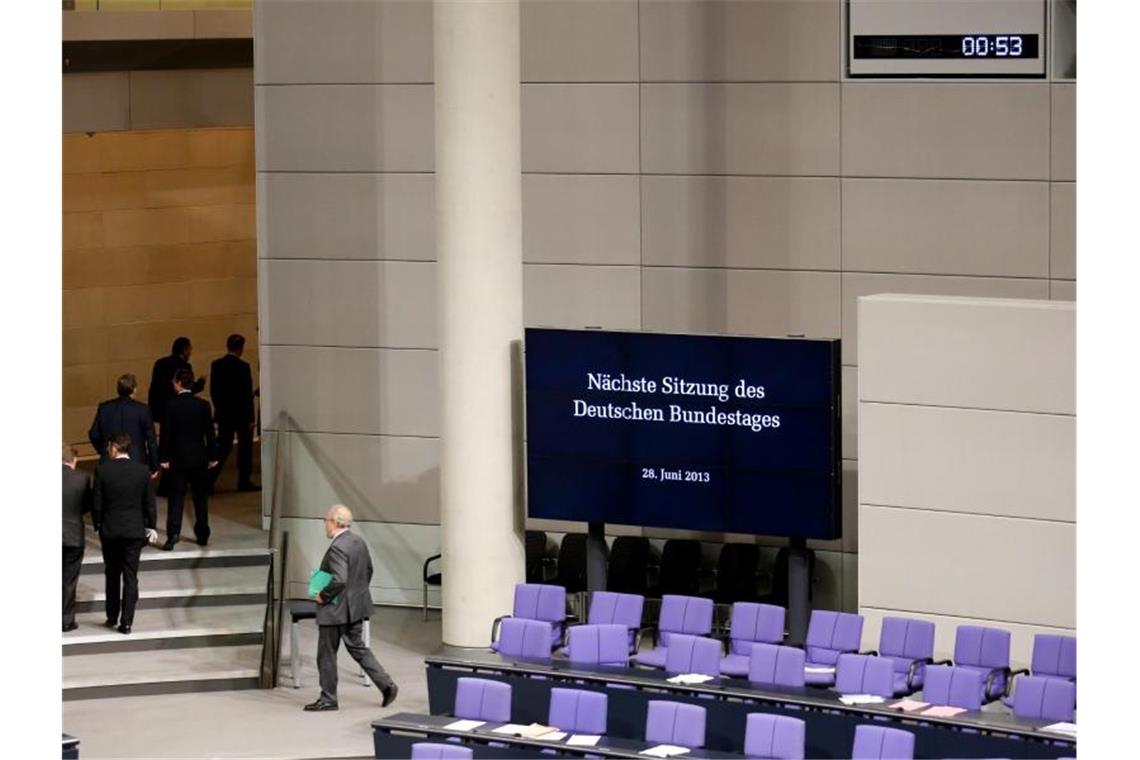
(690,615)
(985,650)
(751,624)
(1054,656)
(778,737)
(529,639)
(536,601)
(909,645)
(880,742)
(864,674)
(955,687)
(675,723)
(482,699)
(1042,698)
(614,607)
(432,751)
(693,654)
(598,645)
(776,665)
(829,635)
(577,711)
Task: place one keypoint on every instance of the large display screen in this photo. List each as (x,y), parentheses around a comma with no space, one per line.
(709,433)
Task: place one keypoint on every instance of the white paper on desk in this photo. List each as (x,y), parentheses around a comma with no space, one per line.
(861,699)
(582,740)
(819,669)
(1069,729)
(689,678)
(664,750)
(464,725)
(553,736)
(515,729)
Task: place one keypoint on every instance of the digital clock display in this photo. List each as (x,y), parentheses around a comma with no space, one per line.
(946,46)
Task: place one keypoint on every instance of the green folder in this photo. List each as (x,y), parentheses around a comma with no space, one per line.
(318,581)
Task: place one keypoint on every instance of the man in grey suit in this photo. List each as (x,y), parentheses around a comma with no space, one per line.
(76,501)
(343,607)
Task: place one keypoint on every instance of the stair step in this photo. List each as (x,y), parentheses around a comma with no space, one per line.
(193,557)
(180,587)
(173,671)
(169,628)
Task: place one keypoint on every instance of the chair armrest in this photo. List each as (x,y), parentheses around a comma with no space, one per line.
(427,562)
(990,681)
(651,630)
(495,626)
(1009,679)
(912,671)
(871,652)
(941,662)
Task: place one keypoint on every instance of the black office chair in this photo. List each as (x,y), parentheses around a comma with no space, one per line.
(570,570)
(629,565)
(680,570)
(736,574)
(536,560)
(431,579)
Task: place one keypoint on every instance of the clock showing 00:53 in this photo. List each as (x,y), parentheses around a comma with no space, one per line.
(993,46)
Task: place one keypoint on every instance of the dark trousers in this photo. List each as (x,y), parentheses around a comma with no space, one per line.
(226,433)
(72,564)
(328,643)
(121,569)
(197,479)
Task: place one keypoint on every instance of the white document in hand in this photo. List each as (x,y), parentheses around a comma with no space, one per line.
(464,725)
(664,750)
(582,740)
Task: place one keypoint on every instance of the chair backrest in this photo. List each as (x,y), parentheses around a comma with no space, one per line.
(1044,698)
(906,639)
(875,742)
(680,571)
(482,699)
(1054,656)
(830,634)
(864,674)
(691,615)
(675,723)
(779,737)
(519,637)
(776,665)
(755,624)
(693,654)
(433,751)
(535,546)
(736,569)
(629,564)
(604,644)
(572,563)
(578,711)
(956,687)
(540,601)
(615,607)
(981,647)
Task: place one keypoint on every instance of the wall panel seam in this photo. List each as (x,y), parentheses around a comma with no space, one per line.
(308,431)
(964,513)
(989,619)
(926,405)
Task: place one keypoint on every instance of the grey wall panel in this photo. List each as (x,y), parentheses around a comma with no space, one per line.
(849,384)
(937,562)
(856,285)
(380,304)
(579,128)
(1063,231)
(741,222)
(360,127)
(978,353)
(741,302)
(967,460)
(96,102)
(1064,132)
(578,40)
(1062,290)
(581,296)
(938,129)
(198,97)
(351,390)
(342,41)
(702,41)
(927,227)
(347,216)
(740,129)
(851,587)
(850,539)
(581,219)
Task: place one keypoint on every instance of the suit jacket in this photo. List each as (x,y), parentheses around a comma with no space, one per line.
(161,391)
(231,390)
(76,501)
(187,432)
(125,415)
(124,503)
(350,565)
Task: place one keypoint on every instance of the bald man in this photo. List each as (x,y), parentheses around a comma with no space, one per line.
(342,608)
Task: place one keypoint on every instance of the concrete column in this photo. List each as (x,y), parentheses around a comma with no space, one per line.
(479,241)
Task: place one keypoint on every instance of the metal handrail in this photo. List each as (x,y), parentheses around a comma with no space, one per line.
(278,555)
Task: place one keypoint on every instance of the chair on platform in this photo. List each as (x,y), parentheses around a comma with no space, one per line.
(527,639)
(829,635)
(680,569)
(690,615)
(482,699)
(430,578)
(1053,657)
(985,650)
(952,686)
(577,711)
(614,607)
(751,624)
(693,654)
(882,743)
(306,609)
(598,645)
(1044,698)
(628,565)
(774,665)
(909,645)
(774,737)
(433,751)
(736,574)
(534,544)
(675,723)
(536,601)
(864,674)
(570,571)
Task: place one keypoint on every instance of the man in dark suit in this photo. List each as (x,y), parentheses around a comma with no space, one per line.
(186,451)
(343,607)
(231,390)
(124,515)
(125,415)
(160,391)
(76,501)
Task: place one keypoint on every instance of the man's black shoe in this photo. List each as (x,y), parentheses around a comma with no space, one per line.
(203,541)
(389,695)
(111,623)
(124,629)
(70,627)
(170,544)
(248,487)
(321,706)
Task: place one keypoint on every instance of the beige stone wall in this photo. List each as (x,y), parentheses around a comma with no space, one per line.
(158,241)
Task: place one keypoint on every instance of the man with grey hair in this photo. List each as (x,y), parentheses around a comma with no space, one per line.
(342,607)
